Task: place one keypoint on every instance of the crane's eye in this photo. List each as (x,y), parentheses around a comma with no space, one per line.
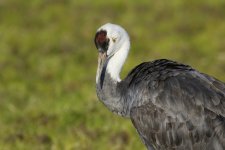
(114,40)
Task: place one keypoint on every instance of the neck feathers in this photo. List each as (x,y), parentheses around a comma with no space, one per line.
(108,79)
(111,95)
(115,63)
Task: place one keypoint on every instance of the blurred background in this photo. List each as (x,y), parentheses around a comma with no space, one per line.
(48,63)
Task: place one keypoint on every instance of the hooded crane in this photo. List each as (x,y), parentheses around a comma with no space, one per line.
(171,105)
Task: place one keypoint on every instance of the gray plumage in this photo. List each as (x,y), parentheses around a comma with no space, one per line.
(172,106)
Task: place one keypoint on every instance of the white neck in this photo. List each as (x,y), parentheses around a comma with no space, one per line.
(115,64)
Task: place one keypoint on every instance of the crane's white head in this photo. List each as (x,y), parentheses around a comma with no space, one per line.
(109,38)
(113,45)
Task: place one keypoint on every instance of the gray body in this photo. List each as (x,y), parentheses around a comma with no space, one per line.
(172,106)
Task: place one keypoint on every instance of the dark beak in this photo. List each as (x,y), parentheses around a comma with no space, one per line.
(102,57)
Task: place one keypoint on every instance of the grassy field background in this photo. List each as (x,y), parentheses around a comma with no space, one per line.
(48,62)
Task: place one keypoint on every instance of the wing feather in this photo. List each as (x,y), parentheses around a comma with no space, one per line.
(183,109)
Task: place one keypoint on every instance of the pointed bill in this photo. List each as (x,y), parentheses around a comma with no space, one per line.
(102,57)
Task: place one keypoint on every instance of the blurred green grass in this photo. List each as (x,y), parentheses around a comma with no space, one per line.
(48,63)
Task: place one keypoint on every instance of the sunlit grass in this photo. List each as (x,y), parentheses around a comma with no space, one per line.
(48,62)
